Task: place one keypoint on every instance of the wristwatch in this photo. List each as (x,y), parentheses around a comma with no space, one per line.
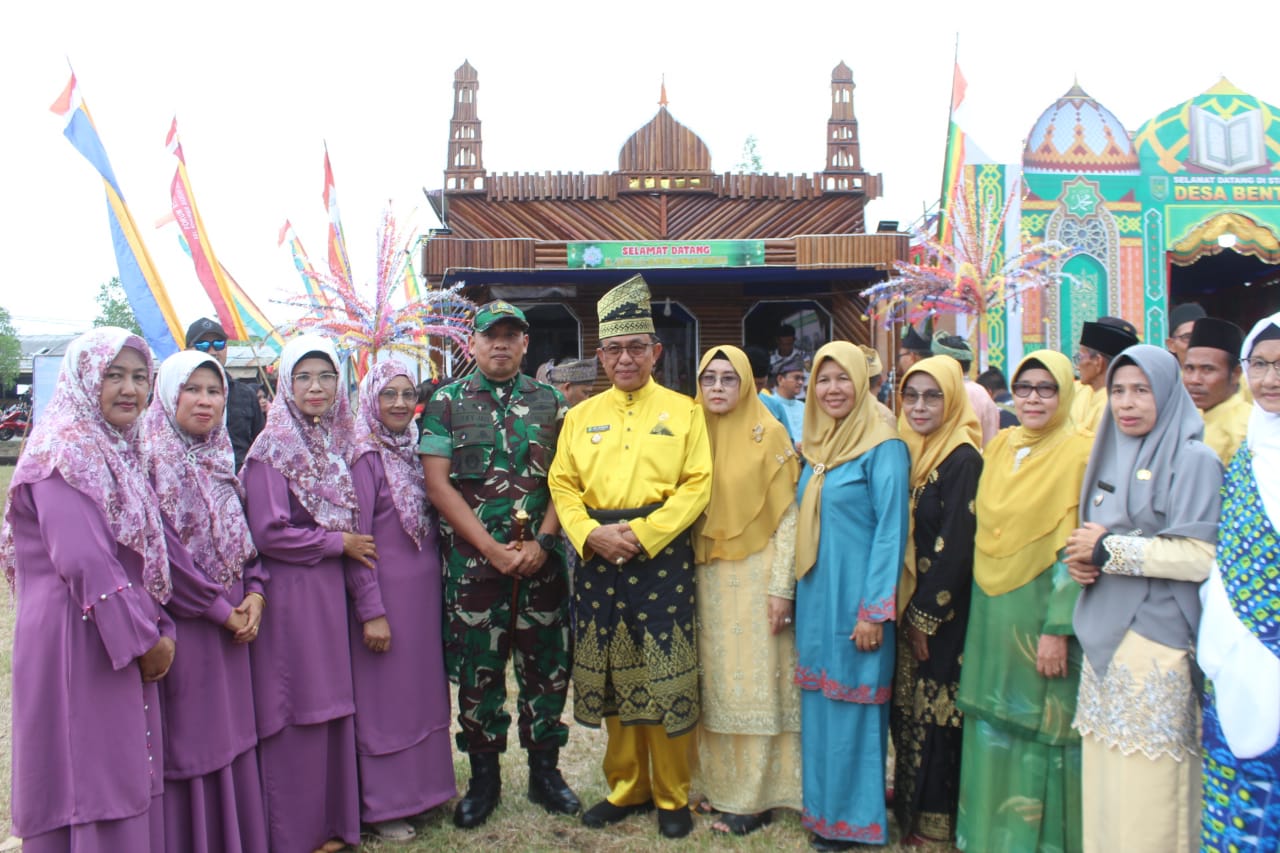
(546,541)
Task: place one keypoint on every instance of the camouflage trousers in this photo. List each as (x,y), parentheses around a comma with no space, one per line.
(483,631)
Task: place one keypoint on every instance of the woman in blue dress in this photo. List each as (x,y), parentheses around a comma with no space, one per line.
(850,543)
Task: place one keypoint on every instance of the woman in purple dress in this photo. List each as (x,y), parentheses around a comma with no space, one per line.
(84,545)
(301,505)
(397,657)
(212,795)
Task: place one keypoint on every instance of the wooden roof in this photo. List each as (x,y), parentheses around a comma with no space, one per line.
(664,189)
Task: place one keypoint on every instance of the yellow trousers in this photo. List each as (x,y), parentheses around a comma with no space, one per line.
(643,763)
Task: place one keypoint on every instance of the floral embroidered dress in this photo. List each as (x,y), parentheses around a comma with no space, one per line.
(845,692)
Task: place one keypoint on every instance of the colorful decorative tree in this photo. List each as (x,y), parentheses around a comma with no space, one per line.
(968,275)
(433,329)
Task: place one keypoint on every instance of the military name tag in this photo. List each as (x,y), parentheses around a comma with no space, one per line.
(600,428)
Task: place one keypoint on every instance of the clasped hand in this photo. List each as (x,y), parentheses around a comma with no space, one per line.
(614,542)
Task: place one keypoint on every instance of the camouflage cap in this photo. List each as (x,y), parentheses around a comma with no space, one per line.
(497,311)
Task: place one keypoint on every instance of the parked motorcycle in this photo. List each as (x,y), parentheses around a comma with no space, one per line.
(13,422)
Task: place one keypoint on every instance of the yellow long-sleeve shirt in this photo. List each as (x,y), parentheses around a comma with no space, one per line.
(1225,426)
(623,450)
(1088,406)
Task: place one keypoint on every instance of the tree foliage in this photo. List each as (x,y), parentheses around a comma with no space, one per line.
(10,351)
(114,308)
(750,163)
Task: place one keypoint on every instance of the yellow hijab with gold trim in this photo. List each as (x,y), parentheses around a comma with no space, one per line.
(829,442)
(1029,494)
(959,427)
(747,443)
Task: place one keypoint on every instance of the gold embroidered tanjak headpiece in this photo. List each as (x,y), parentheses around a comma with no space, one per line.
(625,310)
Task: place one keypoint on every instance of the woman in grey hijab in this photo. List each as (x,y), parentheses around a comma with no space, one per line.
(1149,510)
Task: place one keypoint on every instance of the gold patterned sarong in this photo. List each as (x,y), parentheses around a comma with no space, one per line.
(636,653)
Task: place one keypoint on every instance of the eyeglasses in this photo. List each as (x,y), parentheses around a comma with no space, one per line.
(1258,367)
(1184,338)
(1080,357)
(1044,390)
(205,346)
(327,379)
(391,396)
(635,349)
(725,380)
(931,398)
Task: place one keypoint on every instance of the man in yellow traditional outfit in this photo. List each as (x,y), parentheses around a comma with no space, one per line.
(1211,373)
(1099,343)
(631,474)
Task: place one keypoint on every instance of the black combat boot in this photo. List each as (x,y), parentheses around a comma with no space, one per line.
(547,787)
(483,792)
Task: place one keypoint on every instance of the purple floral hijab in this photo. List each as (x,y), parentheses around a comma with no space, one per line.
(195,476)
(74,439)
(313,455)
(399,451)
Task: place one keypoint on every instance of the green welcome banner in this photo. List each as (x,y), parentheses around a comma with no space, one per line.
(622,254)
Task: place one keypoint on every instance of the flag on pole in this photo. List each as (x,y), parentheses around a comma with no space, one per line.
(961,151)
(339,263)
(412,286)
(208,270)
(255,322)
(303,265)
(257,325)
(138,274)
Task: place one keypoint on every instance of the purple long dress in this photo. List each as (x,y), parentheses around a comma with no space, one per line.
(402,695)
(213,794)
(301,664)
(88,754)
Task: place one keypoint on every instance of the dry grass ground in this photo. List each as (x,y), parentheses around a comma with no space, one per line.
(517,825)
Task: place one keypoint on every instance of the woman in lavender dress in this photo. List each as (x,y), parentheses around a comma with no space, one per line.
(301,505)
(402,695)
(212,796)
(84,546)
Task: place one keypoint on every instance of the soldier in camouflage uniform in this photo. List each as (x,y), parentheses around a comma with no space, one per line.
(487,442)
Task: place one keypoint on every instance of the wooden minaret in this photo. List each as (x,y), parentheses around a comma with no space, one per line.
(465,169)
(844,164)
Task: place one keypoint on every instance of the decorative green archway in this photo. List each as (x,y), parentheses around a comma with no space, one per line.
(1250,238)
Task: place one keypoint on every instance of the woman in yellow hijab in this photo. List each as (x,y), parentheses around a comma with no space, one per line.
(852,533)
(748,759)
(1020,779)
(942,431)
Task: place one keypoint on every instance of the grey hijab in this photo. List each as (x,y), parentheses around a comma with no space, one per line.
(1165,483)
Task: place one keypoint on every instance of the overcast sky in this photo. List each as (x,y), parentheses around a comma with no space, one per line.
(259,86)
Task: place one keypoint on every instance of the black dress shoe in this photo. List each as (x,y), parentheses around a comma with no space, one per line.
(817,842)
(675,823)
(483,792)
(547,787)
(604,813)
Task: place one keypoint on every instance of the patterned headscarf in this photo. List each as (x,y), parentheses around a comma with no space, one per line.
(398,451)
(195,476)
(313,454)
(101,462)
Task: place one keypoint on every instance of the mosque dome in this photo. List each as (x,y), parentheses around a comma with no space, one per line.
(664,145)
(1079,135)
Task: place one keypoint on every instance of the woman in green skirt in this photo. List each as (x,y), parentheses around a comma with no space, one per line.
(1020,759)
